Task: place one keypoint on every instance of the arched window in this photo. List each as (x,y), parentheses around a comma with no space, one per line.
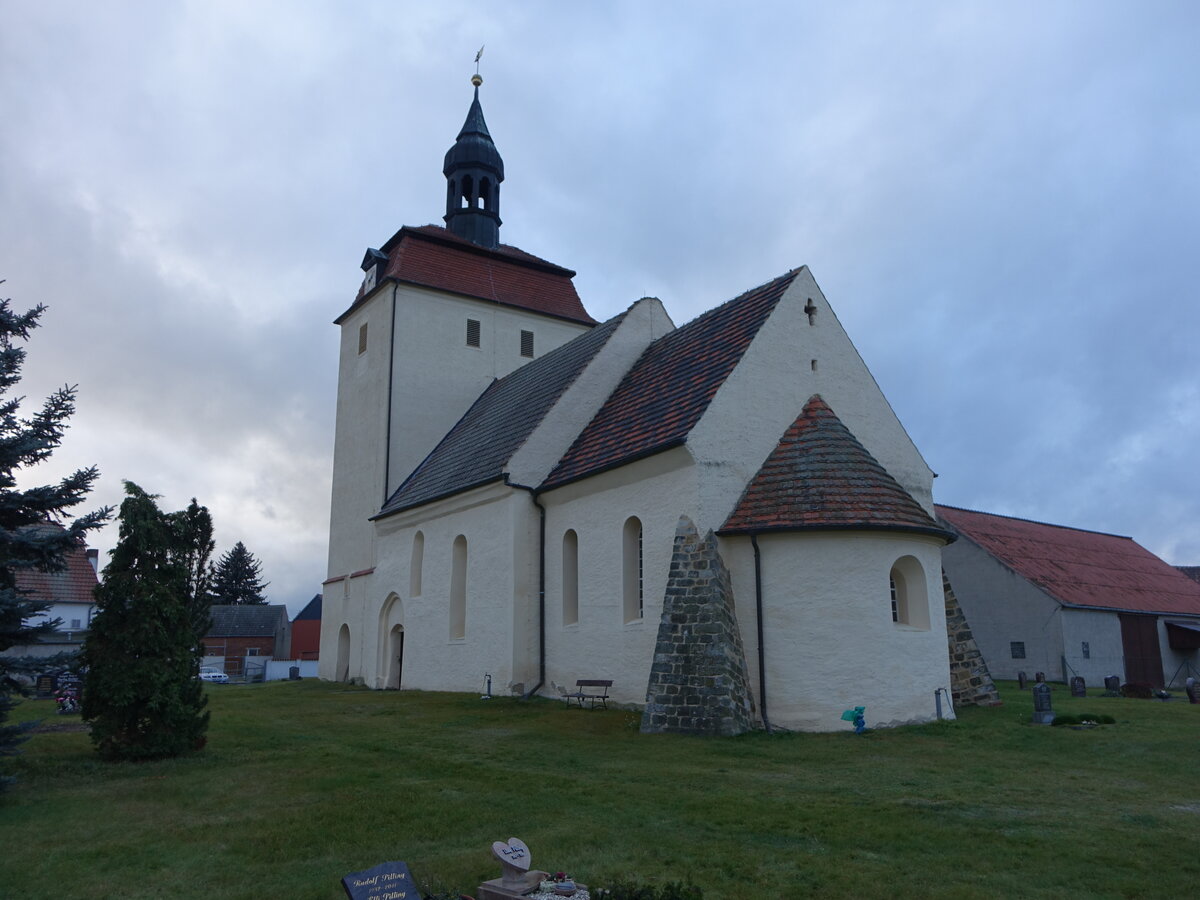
(468,191)
(570,578)
(414,566)
(909,593)
(458,590)
(485,193)
(342,670)
(631,569)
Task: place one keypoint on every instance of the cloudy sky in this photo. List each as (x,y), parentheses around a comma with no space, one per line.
(1001,201)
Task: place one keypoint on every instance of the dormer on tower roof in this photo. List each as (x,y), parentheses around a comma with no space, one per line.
(474,170)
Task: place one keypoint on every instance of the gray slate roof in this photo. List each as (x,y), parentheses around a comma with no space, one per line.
(254,620)
(477,449)
(312,611)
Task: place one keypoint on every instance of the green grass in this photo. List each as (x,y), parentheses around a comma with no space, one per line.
(302,783)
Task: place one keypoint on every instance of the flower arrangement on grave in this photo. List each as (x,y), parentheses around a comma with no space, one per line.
(558,882)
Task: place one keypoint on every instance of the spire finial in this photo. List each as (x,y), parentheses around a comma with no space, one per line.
(475,79)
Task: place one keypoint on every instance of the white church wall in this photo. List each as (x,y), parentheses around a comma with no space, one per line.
(829,639)
(657,490)
(768,389)
(1003,608)
(497,523)
(437,376)
(644,322)
(359,437)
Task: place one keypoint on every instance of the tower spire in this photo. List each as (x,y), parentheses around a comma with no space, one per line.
(474,170)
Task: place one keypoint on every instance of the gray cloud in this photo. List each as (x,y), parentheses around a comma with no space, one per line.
(1000,202)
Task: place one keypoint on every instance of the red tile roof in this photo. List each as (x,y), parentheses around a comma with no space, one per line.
(820,477)
(72,585)
(1080,568)
(663,396)
(434,257)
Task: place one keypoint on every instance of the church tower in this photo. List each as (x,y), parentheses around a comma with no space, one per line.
(440,314)
(473,171)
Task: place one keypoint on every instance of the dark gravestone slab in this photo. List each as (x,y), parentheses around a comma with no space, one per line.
(386,881)
(1112,684)
(1193,692)
(45,686)
(1022,680)
(1078,686)
(1039,677)
(1043,714)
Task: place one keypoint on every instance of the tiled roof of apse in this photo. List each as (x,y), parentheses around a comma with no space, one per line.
(74,584)
(663,396)
(476,450)
(431,256)
(1080,568)
(820,477)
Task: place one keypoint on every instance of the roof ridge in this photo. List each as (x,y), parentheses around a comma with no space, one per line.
(980,512)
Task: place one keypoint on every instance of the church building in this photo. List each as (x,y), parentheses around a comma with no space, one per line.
(724,518)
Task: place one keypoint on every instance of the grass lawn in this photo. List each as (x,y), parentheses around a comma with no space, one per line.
(304,782)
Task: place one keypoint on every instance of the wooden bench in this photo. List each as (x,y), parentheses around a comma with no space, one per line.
(586,689)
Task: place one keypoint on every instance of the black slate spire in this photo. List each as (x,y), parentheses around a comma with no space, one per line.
(473,171)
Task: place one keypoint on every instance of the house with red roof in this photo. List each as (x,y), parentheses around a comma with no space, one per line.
(69,591)
(723,518)
(1067,601)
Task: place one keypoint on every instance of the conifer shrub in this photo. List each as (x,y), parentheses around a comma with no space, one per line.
(142,694)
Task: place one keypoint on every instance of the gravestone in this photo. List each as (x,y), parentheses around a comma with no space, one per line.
(1043,714)
(1022,680)
(45,686)
(1039,677)
(517,879)
(1078,686)
(1193,692)
(386,881)
(1112,685)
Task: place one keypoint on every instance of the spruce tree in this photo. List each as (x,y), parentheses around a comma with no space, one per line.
(142,694)
(34,533)
(236,580)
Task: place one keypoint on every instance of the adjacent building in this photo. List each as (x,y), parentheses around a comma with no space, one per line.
(1066,601)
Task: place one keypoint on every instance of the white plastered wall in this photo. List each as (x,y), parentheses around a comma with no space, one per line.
(768,389)
(829,640)
(437,376)
(657,490)
(500,526)
(435,379)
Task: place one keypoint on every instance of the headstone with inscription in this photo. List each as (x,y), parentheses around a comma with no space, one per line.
(1043,714)
(1112,685)
(517,878)
(1078,686)
(386,881)
(1022,680)
(1039,677)
(1193,692)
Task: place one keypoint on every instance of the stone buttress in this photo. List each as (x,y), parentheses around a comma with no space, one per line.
(699,682)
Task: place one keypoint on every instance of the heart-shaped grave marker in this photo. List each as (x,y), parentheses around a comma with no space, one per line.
(514,853)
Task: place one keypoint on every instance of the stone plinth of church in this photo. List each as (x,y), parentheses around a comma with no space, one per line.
(698,680)
(970,681)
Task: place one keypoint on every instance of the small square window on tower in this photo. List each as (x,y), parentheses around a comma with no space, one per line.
(527,344)
(362,339)
(472,332)
(1017,648)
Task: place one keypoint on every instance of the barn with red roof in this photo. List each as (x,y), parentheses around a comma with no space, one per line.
(720,518)
(1067,601)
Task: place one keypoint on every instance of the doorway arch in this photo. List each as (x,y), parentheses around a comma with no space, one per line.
(342,671)
(390,667)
